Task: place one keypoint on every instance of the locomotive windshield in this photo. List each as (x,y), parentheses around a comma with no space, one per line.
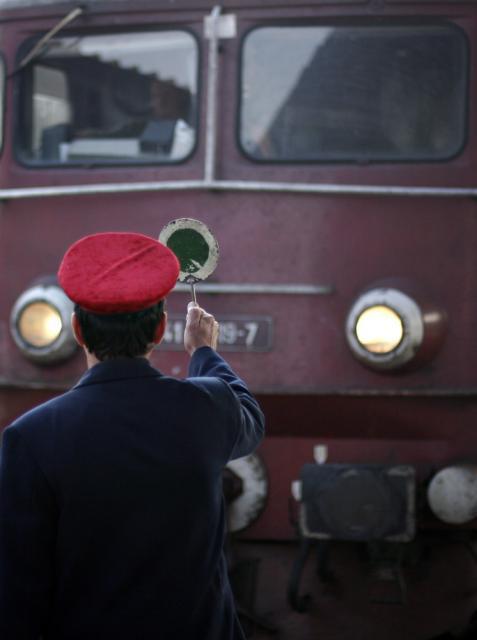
(107,99)
(355,93)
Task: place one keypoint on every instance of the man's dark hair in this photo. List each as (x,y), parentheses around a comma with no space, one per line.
(125,335)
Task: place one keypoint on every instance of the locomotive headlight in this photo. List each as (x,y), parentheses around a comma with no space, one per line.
(40,324)
(385,328)
(379,329)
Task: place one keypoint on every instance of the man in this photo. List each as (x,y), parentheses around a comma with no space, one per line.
(111,509)
(167,132)
(164,131)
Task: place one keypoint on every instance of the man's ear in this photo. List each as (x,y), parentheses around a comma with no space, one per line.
(160,329)
(78,334)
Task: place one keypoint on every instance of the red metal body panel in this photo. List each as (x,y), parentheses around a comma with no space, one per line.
(311,387)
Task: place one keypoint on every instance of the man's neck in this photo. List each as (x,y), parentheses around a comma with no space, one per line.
(92,360)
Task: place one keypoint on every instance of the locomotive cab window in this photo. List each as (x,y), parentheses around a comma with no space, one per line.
(354,93)
(110,99)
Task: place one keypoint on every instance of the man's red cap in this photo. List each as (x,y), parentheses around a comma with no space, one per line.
(110,273)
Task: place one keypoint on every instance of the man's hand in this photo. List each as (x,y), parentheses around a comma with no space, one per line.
(202,329)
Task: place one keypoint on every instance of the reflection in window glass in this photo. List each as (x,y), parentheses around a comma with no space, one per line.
(122,98)
(353,93)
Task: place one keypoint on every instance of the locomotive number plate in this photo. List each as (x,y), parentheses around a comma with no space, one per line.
(237,333)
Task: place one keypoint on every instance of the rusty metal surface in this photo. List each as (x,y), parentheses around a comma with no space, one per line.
(348,244)
(347,607)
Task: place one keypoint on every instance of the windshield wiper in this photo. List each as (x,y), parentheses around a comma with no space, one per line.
(38,48)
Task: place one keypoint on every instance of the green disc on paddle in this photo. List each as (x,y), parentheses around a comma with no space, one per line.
(190,248)
(195,247)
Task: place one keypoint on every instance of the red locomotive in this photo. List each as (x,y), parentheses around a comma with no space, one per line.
(330,148)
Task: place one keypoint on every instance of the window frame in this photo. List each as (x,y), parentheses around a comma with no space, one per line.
(30,42)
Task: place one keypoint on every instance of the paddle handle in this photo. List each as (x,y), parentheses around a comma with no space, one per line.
(192,292)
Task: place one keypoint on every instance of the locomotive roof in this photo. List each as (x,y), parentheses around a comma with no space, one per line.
(153,4)
(166,4)
(11,4)
(156,4)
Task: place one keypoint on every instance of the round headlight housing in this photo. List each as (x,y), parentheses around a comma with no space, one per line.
(40,324)
(247,506)
(451,494)
(384,328)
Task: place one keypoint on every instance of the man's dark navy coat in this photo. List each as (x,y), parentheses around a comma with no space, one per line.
(111,509)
